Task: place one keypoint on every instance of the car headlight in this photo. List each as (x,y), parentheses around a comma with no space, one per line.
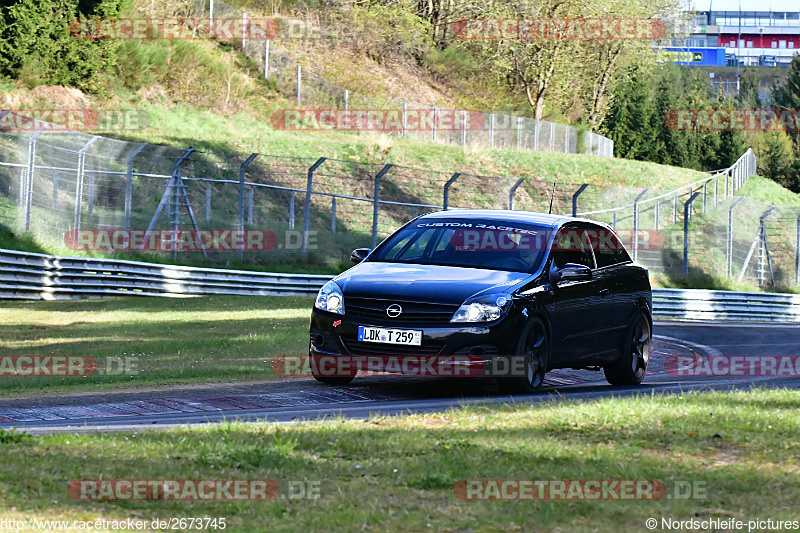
(482,309)
(330,298)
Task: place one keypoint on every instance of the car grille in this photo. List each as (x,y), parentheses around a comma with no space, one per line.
(373,348)
(373,310)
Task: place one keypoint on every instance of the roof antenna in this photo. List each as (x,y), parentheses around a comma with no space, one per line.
(552,195)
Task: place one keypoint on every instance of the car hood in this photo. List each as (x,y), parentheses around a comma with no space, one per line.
(424,283)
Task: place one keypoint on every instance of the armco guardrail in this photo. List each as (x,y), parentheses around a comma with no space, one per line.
(25,275)
(45,277)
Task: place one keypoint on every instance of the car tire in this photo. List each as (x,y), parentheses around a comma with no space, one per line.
(631,367)
(329,380)
(534,345)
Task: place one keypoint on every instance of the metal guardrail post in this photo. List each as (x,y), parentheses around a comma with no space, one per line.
(575,199)
(79,185)
(686,208)
(376,203)
(129,184)
(446,193)
(307,206)
(729,244)
(27,186)
(636,224)
(242,170)
(512,192)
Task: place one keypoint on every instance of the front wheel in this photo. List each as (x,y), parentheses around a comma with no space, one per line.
(631,367)
(318,366)
(535,349)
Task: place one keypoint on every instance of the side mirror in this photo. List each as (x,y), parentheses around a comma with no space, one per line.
(571,272)
(359,254)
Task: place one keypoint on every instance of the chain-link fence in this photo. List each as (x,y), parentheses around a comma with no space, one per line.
(311,91)
(82,193)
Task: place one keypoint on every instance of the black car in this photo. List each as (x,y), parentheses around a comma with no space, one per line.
(552,291)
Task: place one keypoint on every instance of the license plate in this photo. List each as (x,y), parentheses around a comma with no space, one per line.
(390,336)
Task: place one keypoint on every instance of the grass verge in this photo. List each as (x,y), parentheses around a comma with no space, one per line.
(171,341)
(397,473)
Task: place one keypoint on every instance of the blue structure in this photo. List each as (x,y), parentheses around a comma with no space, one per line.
(692,56)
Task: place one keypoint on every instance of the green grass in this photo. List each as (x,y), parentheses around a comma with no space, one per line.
(191,340)
(770,192)
(397,473)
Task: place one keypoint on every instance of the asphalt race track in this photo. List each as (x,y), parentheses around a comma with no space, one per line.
(293,399)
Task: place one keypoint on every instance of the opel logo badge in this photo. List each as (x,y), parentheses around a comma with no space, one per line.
(394,310)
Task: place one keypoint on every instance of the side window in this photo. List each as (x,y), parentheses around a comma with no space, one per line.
(572,245)
(411,247)
(607,248)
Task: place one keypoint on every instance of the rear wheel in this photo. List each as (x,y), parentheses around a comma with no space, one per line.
(324,372)
(631,367)
(534,348)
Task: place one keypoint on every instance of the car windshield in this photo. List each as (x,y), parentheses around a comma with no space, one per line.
(486,244)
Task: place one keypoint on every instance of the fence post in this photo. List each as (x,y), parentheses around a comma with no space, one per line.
(55,189)
(716,191)
(307,206)
(27,186)
(512,192)
(566,139)
(129,185)
(536,135)
(434,123)
(614,221)
(23,186)
(78,186)
(729,244)
(208,201)
(242,170)
(675,210)
(376,203)
(727,179)
(655,214)
(463,127)
(636,224)
(299,84)
(346,99)
(519,132)
(552,135)
(266,59)
(244,29)
(291,210)
(797,254)
(686,207)
(705,195)
(491,130)
(575,199)
(333,214)
(446,200)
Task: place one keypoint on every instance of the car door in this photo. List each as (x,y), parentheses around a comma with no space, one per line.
(576,306)
(615,264)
